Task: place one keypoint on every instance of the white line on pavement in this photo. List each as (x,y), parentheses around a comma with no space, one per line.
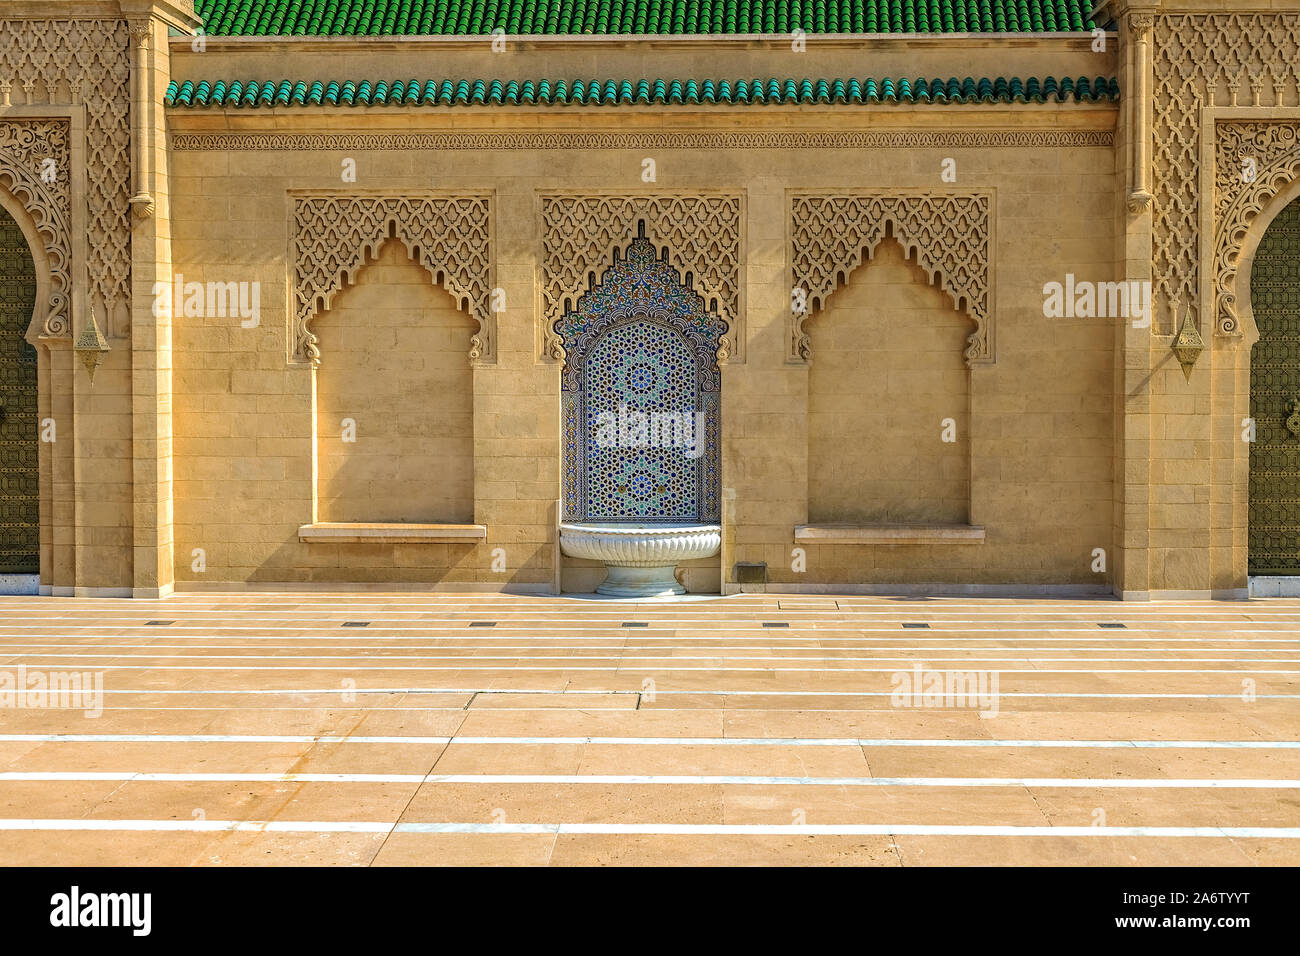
(1158,783)
(653,829)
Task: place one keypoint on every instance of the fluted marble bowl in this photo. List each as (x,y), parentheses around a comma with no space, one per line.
(640,558)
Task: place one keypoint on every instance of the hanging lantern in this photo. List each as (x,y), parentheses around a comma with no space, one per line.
(91,346)
(1188,344)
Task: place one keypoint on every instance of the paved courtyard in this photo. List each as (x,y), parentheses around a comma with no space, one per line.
(369,729)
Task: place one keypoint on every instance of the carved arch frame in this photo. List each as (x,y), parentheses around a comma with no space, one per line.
(1243,210)
(336,234)
(1236,213)
(949,235)
(43,211)
(704,233)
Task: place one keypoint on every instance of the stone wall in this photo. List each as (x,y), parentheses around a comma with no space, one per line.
(1034,425)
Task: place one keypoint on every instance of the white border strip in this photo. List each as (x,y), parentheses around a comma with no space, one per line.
(658,741)
(702,692)
(1159,783)
(650,829)
(41,662)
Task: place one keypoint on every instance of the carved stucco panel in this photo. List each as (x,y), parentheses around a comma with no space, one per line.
(1253,162)
(83,62)
(701,233)
(334,236)
(35,166)
(949,235)
(1226,60)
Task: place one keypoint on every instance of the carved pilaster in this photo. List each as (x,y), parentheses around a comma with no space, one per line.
(142,202)
(1139,31)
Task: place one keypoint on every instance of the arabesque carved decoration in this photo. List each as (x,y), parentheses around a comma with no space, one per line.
(949,236)
(1253,162)
(335,235)
(35,167)
(1230,59)
(701,233)
(84,62)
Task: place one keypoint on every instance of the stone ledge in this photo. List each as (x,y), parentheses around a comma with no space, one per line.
(338,532)
(889,534)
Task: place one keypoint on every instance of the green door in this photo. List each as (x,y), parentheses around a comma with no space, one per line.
(1275,399)
(19,492)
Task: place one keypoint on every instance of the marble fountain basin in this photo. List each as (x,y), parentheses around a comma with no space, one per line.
(640,558)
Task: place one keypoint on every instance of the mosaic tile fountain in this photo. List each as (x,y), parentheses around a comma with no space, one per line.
(641,403)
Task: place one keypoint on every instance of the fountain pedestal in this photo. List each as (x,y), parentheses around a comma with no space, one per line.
(640,558)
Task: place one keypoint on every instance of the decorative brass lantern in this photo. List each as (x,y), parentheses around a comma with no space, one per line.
(1188,344)
(91,346)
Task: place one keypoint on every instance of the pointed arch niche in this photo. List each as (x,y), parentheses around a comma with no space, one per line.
(393,395)
(640,340)
(893,287)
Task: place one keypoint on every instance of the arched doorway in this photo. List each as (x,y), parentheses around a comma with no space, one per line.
(1275,399)
(19,488)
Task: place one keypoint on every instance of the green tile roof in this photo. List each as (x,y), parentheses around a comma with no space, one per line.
(288,93)
(462,17)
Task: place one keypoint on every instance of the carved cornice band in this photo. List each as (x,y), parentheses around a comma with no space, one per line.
(649,139)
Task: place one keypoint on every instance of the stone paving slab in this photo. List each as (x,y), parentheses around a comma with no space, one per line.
(560,737)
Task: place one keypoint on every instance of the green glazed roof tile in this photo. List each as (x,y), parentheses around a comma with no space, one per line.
(230,94)
(519,17)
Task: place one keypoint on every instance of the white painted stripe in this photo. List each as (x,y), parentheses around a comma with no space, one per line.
(333,603)
(660,741)
(701,692)
(868,829)
(646,637)
(669,652)
(680,639)
(300,603)
(1159,783)
(471,656)
(42,662)
(130,776)
(648,829)
(748,626)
